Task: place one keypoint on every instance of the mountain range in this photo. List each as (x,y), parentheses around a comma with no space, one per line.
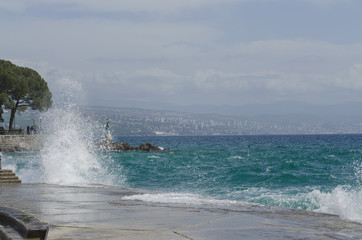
(282,110)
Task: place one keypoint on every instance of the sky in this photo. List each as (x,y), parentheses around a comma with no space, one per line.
(134,53)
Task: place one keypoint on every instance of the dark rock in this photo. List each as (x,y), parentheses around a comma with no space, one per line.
(117,146)
(148,147)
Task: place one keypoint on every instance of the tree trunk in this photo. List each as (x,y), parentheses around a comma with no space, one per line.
(12,119)
(12,116)
(1,114)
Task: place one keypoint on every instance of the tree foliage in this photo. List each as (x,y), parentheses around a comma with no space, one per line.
(22,88)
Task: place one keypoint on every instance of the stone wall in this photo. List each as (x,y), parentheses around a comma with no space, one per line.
(15,143)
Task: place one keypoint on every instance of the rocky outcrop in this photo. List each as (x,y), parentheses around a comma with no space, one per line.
(117,146)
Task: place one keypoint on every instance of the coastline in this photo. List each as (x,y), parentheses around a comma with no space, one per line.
(102,212)
(34,143)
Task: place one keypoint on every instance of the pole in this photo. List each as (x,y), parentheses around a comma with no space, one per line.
(40,129)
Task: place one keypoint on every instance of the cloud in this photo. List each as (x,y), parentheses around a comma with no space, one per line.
(145,5)
(179,58)
(155,73)
(13,6)
(155,6)
(297,47)
(352,80)
(327,2)
(267,81)
(77,42)
(159,81)
(208,86)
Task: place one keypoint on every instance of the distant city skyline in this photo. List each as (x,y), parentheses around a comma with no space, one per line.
(139,122)
(143,122)
(208,52)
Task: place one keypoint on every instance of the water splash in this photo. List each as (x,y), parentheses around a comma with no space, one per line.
(358,172)
(343,201)
(68,157)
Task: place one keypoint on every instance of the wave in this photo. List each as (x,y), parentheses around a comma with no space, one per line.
(343,201)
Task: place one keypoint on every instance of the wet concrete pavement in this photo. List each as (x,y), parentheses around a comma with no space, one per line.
(99,212)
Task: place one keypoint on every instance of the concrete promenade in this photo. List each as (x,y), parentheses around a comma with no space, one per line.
(100,213)
(21,142)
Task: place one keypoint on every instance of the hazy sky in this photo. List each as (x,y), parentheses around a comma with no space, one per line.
(190,51)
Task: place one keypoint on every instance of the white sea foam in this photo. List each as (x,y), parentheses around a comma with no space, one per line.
(343,201)
(237,157)
(181,198)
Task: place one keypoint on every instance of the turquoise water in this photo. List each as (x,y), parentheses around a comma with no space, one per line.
(310,172)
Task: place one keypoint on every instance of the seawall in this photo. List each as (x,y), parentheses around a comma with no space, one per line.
(15,143)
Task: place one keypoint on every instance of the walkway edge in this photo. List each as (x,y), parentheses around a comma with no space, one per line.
(26,225)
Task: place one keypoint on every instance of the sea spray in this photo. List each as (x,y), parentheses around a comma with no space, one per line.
(343,201)
(68,157)
(358,172)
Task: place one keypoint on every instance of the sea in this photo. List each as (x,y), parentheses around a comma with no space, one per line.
(320,173)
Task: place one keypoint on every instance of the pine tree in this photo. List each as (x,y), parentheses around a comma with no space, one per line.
(22,88)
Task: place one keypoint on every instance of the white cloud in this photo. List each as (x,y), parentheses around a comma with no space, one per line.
(157,6)
(327,2)
(202,86)
(14,5)
(146,5)
(156,73)
(352,80)
(123,59)
(278,82)
(298,47)
(77,42)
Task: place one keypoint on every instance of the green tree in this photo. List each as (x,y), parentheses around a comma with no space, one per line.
(23,88)
(3,99)
(6,68)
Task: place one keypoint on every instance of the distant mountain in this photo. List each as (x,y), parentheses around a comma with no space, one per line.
(276,118)
(284,108)
(281,109)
